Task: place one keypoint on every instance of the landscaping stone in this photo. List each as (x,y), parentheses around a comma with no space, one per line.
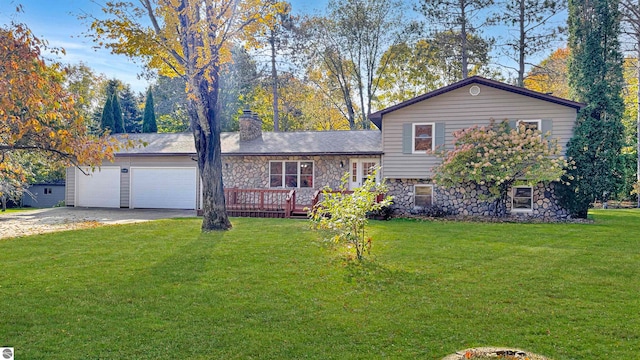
(468,201)
(494,352)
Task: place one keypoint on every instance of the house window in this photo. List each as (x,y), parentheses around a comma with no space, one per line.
(522,198)
(423,137)
(297,174)
(423,196)
(48,191)
(530,124)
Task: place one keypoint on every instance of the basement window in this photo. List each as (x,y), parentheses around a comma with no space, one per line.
(522,199)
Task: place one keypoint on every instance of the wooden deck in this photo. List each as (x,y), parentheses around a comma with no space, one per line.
(267,203)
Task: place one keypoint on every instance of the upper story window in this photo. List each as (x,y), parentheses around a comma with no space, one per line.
(423,137)
(297,174)
(522,199)
(531,124)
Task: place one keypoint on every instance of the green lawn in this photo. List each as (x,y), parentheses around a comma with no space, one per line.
(269,289)
(16,210)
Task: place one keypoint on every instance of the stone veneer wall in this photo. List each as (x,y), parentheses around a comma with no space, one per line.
(464,200)
(252,172)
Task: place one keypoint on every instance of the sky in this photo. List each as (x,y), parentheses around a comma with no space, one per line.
(57,22)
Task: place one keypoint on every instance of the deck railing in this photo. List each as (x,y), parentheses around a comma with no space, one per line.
(259,202)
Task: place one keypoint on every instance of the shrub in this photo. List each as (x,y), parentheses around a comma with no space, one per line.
(343,215)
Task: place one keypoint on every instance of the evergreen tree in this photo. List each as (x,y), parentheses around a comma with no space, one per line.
(149,119)
(107,121)
(118,122)
(595,78)
(130,111)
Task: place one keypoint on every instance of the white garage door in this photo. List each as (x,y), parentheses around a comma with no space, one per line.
(100,189)
(163,188)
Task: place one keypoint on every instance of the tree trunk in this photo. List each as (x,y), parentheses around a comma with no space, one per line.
(463,40)
(522,45)
(203,88)
(3,200)
(274,79)
(206,131)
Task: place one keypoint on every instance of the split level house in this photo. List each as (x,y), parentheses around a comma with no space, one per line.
(297,165)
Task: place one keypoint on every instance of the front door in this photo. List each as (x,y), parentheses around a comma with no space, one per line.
(359,170)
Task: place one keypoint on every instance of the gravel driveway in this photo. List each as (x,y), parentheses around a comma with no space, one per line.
(66,218)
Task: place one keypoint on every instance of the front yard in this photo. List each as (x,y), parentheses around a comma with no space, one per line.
(269,289)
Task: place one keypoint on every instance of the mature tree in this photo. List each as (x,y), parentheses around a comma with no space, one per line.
(107,121)
(349,44)
(149,120)
(534,33)
(411,71)
(550,76)
(499,157)
(329,71)
(170,104)
(449,66)
(130,104)
(237,81)
(630,123)
(301,106)
(118,121)
(463,18)
(631,18)
(425,65)
(37,113)
(85,85)
(192,39)
(595,77)
(278,33)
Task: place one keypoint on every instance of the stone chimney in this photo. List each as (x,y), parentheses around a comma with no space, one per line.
(250,126)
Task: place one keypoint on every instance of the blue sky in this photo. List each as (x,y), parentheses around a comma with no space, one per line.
(57,22)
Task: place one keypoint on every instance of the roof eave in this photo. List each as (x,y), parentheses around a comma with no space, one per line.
(152,154)
(350,153)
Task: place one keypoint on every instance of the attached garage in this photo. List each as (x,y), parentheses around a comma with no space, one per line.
(163,187)
(101,188)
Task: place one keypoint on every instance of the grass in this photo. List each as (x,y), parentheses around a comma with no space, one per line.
(16,210)
(268,289)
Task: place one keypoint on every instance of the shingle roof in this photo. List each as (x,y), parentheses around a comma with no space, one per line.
(271,143)
(376,117)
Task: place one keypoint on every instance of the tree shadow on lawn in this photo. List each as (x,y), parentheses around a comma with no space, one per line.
(371,275)
(189,263)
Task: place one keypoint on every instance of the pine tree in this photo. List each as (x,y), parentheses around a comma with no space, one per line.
(149,119)
(595,77)
(107,121)
(118,121)
(131,114)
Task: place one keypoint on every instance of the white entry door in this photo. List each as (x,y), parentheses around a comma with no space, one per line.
(359,170)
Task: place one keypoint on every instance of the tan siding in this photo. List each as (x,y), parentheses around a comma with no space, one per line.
(70,187)
(124,181)
(459,110)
